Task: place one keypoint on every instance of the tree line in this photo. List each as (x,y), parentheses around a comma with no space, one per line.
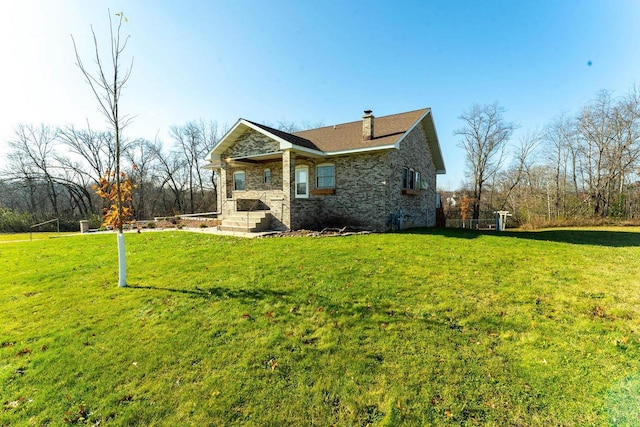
(579,168)
(50,172)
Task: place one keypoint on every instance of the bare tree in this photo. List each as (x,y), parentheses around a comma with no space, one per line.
(33,152)
(624,150)
(97,149)
(172,169)
(192,142)
(523,157)
(145,168)
(107,90)
(595,134)
(559,149)
(211,135)
(483,138)
(292,127)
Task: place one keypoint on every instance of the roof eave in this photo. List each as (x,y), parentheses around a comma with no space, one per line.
(286,145)
(434,145)
(361,150)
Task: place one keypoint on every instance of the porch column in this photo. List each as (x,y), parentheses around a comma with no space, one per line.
(288,185)
(222,187)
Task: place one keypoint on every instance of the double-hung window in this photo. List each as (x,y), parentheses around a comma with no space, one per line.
(302,181)
(325,176)
(267,176)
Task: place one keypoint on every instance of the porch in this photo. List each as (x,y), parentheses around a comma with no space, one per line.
(256,191)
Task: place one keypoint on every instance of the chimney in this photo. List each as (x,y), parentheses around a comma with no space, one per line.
(367,126)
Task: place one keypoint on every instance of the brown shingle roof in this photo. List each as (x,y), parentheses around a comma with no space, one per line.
(348,136)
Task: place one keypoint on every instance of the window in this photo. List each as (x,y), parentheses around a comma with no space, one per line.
(302,181)
(325,176)
(267,176)
(238,181)
(412,181)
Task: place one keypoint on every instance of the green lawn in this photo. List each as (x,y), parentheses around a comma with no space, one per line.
(13,237)
(436,327)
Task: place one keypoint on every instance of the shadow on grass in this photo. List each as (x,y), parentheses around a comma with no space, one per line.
(220,292)
(616,239)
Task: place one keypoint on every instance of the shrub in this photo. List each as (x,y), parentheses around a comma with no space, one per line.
(151,224)
(15,222)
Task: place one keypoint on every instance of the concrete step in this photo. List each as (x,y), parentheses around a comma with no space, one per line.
(246,222)
(238,229)
(252,214)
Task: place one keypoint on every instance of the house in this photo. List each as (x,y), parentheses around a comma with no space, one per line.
(378,173)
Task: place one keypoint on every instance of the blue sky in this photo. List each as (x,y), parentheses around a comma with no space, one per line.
(327,61)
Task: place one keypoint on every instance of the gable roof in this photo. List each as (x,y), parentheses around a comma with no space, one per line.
(345,138)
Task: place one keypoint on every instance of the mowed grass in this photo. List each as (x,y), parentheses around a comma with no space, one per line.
(433,327)
(15,237)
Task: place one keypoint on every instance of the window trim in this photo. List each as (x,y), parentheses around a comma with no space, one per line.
(244,180)
(333,176)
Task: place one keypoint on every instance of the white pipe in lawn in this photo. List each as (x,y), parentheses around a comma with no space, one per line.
(122,264)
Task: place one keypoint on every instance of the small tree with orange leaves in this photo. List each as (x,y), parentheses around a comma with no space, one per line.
(466,205)
(108,190)
(106,84)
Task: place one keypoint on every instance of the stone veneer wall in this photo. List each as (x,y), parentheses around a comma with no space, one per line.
(418,210)
(359,199)
(251,143)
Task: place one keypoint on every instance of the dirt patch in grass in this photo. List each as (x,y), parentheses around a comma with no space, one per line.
(325,232)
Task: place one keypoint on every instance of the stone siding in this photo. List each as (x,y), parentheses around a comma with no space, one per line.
(359,199)
(251,143)
(417,210)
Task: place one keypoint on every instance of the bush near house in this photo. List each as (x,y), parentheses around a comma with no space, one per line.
(431,327)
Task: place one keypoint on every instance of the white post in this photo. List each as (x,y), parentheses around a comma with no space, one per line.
(122,278)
